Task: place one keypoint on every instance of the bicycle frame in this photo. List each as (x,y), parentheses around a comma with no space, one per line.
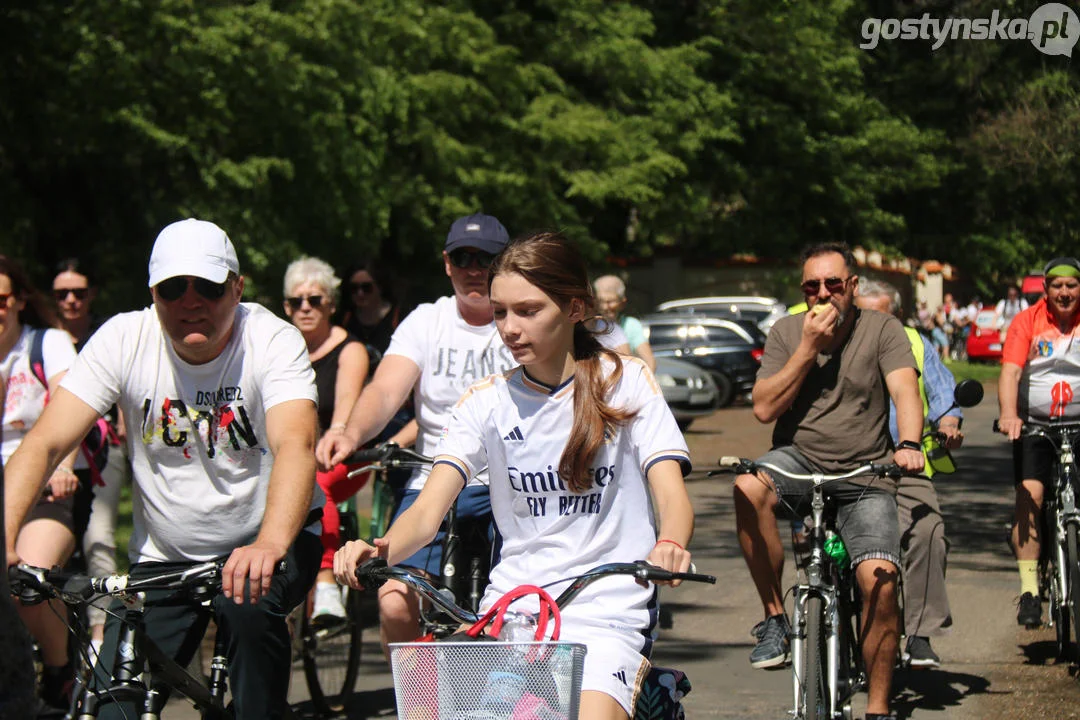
(828,582)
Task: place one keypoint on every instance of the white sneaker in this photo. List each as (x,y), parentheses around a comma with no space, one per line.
(328,605)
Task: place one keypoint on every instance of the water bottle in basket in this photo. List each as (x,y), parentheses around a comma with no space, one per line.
(501,695)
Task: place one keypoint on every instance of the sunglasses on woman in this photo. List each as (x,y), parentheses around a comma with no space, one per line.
(61,293)
(295,303)
(462,258)
(364,287)
(833,285)
(175,287)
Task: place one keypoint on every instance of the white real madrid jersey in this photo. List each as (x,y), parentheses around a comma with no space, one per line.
(518,427)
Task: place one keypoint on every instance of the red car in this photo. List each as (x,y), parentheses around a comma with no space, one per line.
(984,341)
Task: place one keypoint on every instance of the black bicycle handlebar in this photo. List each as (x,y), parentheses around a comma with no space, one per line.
(35,584)
(375,572)
(389,454)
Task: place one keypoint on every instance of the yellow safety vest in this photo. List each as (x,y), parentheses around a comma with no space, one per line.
(933,453)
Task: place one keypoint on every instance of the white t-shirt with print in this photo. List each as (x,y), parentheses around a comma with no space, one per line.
(519,428)
(452,356)
(25,395)
(196,433)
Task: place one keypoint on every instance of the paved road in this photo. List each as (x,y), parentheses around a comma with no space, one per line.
(992,669)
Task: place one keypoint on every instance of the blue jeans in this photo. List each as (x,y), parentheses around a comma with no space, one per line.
(473,502)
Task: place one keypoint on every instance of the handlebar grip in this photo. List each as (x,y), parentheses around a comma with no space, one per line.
(997,428)
(375,454)
(695,577)
(370,573)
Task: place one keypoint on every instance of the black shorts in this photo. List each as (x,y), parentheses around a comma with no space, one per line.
(73,512)
(1033,459)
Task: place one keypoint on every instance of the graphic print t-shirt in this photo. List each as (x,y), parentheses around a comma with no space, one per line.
(25,397)
(196,433)
(518,428)
(1050,358)
(452,355)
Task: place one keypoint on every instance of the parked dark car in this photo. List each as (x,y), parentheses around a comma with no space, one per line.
(729,350)
(689,391)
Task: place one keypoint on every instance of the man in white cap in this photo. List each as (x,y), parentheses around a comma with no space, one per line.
(220,401)
(438,352)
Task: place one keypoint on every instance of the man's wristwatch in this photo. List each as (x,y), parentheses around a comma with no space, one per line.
(909,445)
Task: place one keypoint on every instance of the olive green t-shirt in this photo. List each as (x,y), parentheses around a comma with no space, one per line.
(840,418)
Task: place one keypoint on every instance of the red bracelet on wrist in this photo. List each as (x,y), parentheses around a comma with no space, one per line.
(665,540)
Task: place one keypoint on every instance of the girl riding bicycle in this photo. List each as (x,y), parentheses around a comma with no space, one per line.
(574,439)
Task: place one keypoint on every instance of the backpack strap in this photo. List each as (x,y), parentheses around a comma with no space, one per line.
(37,358)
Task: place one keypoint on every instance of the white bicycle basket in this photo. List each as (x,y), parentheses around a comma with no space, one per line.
(483,679)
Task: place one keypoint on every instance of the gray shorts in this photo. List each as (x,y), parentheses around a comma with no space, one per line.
(865,516)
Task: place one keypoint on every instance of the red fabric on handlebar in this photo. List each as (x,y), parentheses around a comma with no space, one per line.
(497,614)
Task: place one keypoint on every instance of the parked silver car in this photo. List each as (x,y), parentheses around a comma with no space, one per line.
(689,391)
(762,310)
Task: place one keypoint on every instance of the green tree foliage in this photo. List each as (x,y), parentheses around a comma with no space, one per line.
(352,130)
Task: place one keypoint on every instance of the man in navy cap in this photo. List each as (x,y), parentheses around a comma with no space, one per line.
(1039,364)
(437,352)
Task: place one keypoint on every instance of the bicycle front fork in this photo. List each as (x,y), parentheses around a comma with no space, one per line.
(801,656)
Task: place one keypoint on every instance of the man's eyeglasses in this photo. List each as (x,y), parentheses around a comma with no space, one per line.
(175,287)
(295,303)
(834,285)
(462,258)
(61,293)
(364,287)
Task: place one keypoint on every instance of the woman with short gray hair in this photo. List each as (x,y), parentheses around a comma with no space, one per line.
(340,362)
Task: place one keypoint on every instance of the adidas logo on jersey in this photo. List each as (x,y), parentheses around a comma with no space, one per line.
(515,434)
(620,676)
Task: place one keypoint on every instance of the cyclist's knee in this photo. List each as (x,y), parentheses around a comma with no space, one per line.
(397,604)
(755,490)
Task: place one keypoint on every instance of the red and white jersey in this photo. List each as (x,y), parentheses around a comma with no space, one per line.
(1051,361)
(518,427)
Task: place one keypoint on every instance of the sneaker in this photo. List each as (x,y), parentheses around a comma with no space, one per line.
(328,608)
(773,648)
(1029,611)
(920,654)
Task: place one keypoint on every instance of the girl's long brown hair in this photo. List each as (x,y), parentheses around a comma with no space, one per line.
(548,261)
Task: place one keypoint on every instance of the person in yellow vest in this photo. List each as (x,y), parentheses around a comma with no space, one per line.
(798,308)
(922,529)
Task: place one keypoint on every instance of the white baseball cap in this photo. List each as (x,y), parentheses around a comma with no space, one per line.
(192,247)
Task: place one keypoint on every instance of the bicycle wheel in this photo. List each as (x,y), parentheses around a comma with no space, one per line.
(1072,567)
(814,692)
(331,656)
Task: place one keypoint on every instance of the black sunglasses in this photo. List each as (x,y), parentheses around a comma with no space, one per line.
(175,287)
(364,287)
(61,293)
(315,301)
(462,258)
(834,285)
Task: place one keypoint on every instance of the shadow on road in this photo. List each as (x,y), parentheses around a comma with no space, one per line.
(934,690)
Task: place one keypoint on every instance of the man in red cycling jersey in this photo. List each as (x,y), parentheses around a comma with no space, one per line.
(1040,362)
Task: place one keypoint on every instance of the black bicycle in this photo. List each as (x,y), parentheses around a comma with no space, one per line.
(142,672)
(1059,558)
(331,653)
(462,661)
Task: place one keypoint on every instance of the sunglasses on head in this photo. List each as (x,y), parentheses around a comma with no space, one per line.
(175,287)
(364,287)
(462,258)
(834,285)
(315,301)
(61,293)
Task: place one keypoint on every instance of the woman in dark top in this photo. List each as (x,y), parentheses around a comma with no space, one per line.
(340,361)
(369,315)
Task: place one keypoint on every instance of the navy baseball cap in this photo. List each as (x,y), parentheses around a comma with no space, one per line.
(1062,267)
(479,231)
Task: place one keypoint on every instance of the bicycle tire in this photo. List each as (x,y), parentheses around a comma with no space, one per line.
(815,696)
(1059,612)
(331,657)
(1072,560)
